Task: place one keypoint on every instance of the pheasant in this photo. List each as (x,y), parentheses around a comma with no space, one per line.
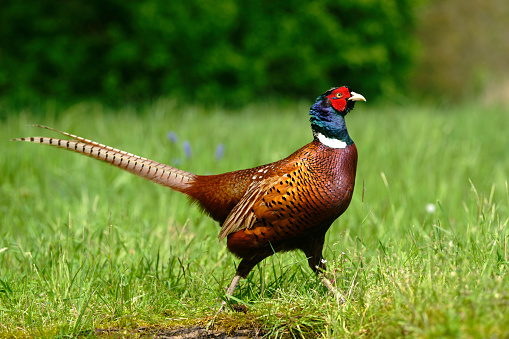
(285,205)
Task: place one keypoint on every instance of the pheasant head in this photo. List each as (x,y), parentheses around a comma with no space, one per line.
(328,116)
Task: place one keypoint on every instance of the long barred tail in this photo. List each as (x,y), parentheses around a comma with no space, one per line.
(162,174)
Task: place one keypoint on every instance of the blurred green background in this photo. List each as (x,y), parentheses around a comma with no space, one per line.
(234,52)
(213,86)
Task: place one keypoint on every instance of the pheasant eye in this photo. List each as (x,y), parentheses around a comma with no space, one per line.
(339,95)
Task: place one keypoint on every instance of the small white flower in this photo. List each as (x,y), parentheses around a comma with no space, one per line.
(431,208)
(324,261)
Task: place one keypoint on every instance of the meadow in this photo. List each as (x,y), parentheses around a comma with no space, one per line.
(422,251)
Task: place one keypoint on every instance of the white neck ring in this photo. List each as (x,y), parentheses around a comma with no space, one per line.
(329,142)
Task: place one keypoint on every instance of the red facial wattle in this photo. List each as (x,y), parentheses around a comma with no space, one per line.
(338,98)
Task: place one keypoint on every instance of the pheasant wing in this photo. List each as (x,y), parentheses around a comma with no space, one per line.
(243,216)
(283,206)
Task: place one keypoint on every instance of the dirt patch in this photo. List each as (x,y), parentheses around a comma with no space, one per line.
(180,333)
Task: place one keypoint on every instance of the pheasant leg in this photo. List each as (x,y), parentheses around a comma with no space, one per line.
(230,290)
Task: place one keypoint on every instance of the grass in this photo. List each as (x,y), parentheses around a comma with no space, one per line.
(422,251)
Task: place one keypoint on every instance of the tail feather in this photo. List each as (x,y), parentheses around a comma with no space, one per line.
(154,171)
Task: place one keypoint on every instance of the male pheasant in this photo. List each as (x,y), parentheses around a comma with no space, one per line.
(286,205)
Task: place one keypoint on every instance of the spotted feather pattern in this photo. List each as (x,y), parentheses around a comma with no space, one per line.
(290,198)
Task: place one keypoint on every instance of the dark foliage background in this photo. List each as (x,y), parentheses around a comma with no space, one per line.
(227,51)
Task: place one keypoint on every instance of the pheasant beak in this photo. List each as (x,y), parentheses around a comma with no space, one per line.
(356,97)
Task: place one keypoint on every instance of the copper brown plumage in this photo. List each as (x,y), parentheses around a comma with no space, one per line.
(286,205)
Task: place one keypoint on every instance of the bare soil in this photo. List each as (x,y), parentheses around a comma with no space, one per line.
(180,333)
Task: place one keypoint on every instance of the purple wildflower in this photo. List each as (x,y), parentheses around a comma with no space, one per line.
(173,137)
(187,148)
(219,152)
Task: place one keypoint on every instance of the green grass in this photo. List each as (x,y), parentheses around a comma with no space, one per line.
(84,245)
